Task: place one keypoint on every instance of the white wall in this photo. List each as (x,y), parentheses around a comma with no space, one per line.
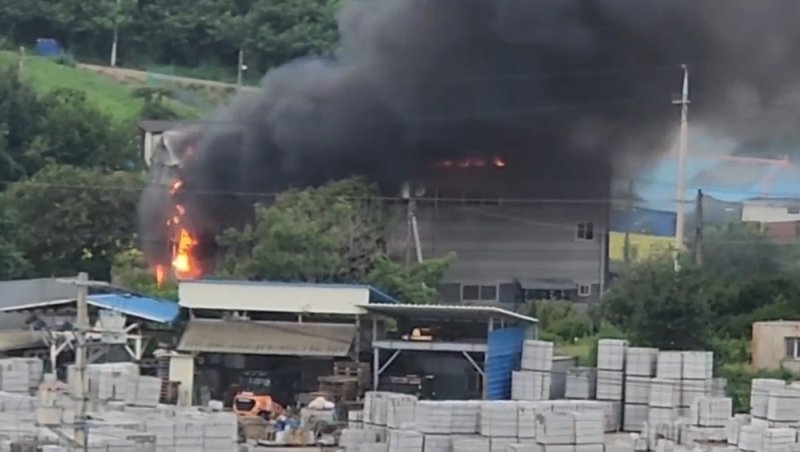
(765,213)
(266,297)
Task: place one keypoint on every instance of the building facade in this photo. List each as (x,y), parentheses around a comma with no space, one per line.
(515,237)
(776,345)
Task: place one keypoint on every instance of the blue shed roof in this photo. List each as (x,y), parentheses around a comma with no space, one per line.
(146,308)
(375,295)
(150,309)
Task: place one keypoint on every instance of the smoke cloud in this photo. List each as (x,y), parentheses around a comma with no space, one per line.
(547,83)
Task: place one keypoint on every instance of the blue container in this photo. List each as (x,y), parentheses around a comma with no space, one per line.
(504,350)
(47,47)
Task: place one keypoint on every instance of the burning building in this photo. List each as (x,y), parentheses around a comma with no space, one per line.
(510,116)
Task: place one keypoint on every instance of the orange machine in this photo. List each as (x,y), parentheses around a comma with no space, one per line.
(250,404)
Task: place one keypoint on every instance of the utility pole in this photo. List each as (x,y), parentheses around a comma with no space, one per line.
(81,384)
(240,68)
(115,41)
(682,149)
(626,250)
(698,232)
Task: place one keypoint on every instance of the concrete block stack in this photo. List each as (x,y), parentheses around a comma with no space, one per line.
(405,441)
(777,439)
(581,383)
(376,412)
(355,419)
(589,432)
(697,369)
(533,381)
(760,389)
(499,419)
(471,444)
(733,426)
(610,369)
(400,411)
(20,375)
(436,443)
(664,401)
(640,368)
(142,391)
(783,407)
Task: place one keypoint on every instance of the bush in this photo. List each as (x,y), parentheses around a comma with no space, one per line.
(562,320)
(66,59)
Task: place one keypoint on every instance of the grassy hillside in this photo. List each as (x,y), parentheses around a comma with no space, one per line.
(113,98)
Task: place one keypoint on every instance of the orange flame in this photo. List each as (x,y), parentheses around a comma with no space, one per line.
(159,275)
(184,264)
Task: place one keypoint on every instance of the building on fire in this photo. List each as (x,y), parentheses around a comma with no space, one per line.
(520,231)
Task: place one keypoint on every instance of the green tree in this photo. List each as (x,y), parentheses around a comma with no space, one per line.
(74,219)
(12,260)
(659,307)
(130,271)
(333,233)
(20,123)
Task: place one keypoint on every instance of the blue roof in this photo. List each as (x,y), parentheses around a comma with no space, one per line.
(151,309)
(375,295)
(723,177)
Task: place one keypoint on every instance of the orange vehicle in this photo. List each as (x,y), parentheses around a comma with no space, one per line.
(250,404)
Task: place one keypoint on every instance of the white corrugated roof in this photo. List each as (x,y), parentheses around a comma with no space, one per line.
(456,312)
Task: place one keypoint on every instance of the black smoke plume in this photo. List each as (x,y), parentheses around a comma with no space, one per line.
(547,83)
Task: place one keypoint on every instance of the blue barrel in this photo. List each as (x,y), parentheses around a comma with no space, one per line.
(48,47)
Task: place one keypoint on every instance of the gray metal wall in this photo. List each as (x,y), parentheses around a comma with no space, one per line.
(14,293)
(508,225)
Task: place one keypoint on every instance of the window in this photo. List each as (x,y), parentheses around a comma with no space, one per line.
(477,292)
(489,293)
(585,231)
(470,292)
(547,294)
(792,347)
(584,290)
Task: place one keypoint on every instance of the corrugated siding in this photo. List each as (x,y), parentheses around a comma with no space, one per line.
(504,348)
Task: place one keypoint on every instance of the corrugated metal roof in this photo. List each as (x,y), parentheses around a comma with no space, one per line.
(18,339)
(375,294)
(447,312)
(16,292)
(267,338)
(150,309)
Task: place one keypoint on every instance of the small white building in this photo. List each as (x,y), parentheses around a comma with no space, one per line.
(772,210)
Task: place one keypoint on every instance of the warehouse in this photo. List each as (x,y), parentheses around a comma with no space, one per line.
(268,336)
(463,351)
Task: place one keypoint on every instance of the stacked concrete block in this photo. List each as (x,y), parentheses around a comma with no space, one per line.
(610,368)
(669,365)
(400,411)
(760,389)
(581,383)
(499,419)
(142,391)
(534,379)
(436,443)
(374,447)
(589,428)
(530,385)
(20,374)
(450,417)
(664,401)
(641,361)
(733,426)
(405,441)
(376,408)
(777,439)
(783,407)
(523,447)
(555,428)
(750,438)
(497,444)
(471,444)
(711,411)
(355,419)
(697,369)
(526,421)
(637,399)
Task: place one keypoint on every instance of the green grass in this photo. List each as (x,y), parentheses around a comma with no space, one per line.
(582,348)
(111,97)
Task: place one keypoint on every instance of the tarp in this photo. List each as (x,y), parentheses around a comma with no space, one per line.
(267,338)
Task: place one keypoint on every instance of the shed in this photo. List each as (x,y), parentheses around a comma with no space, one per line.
(489,338)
